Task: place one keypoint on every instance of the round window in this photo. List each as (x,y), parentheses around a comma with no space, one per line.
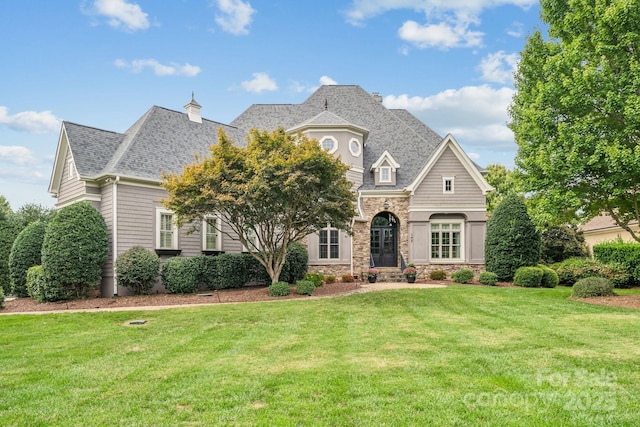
(354,147)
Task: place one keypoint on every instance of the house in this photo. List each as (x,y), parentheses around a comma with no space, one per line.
(602,228)
(420,197)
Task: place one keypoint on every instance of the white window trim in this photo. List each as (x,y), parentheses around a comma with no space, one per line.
(174,228)
(218,223)
(462,258)
(444,184)
(388,169)
(335,143)
(357,152)
(71,168)
(329,259)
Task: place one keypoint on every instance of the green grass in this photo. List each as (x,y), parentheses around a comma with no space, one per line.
(462,355)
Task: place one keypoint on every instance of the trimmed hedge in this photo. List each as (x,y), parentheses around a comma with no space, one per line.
(279,289)
(528,277)
(549,277)
(180,275)
(25,253)
(36,285)
(464,275)
(9,229)
(305,287)
(74,249)
(625,254)
(592,287)
(571,270)
(1,298)
(488,278)
(137,269)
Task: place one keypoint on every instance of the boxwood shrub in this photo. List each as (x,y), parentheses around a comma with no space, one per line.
(592,287)
(316,278)
(36,286)
(549,277)
(279,289)
(626,255)
(573,269)
(528,277)
(305,287)
(464,275)
(1,298)
(26,252)
(137,269)
(438,275)
(488,278)
(180,275)
(295,263)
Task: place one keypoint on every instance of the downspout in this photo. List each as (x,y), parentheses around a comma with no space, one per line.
(115,233)
(353,221)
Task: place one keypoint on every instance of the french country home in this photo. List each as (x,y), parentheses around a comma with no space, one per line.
(421,199)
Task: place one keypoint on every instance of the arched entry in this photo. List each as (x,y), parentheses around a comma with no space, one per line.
(384,240)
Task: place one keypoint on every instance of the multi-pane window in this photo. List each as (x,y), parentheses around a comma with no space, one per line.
(166,231)
(329,244)
(447,185)
(446,241)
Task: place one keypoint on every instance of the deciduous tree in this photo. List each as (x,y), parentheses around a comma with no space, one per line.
(279,188)
(576,113)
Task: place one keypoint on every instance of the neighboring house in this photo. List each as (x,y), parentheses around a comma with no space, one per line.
(603,228)
(420,198)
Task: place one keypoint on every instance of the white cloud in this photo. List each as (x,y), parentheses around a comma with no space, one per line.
(173,69)
(260,83)
(473,156)
(443,35)
(16,154)
(30,121)
(326,80)
(446,24)
(499,67)
(475,115)
(516,30)
(298,87)
(235,16)
(122,14)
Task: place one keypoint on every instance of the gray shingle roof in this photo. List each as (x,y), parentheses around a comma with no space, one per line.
(164,140)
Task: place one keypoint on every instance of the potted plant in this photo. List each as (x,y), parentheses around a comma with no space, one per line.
(410,273)
(372,275)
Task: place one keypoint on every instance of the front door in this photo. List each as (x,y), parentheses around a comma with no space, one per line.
(384,240)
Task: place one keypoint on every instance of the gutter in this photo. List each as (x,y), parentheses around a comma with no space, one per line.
(115,233)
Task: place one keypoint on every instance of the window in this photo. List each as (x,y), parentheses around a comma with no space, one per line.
(385,174)
(355,147)
(447,184)
(252,240)
(329,244)
(71,168)
(329,143)
(211,240)
(446,241)
(166,230)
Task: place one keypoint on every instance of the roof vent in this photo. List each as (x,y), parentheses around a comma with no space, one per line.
(377,97)
(193,110)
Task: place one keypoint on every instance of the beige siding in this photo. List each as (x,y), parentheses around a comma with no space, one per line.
(70,188)
(344,242)
(343,137)
(476,233)
(419,243)
(466,191)
(106,209)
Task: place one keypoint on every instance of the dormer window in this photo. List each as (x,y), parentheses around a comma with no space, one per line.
(329,143)
(385,169)
(385,174)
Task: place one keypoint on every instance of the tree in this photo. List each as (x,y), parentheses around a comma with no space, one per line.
(9,229)
(576,113)
(75,246)
(562,242)
(33,212)
(279,188)
(503,183)
(512,239)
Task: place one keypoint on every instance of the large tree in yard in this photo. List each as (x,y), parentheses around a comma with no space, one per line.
(278,189)
(576,113)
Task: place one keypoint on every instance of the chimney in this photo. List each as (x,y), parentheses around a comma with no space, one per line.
(377,97)
(193,110)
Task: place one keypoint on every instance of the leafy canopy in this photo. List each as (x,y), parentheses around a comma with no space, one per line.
(279,188)
(576,113)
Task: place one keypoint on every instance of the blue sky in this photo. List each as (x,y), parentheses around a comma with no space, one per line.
(104,63)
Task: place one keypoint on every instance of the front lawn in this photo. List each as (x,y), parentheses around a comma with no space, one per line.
(462,355)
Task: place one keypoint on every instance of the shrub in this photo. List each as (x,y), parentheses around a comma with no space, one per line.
(254,271)
(618,274)
(74,248)
(592,287)
(464,275)
(279,289)
(438,275)
(528,277)
(348,278)
(295,263)
(137,269)
(316,278)
(305,287)
(562,242)
(180,275)
(330,278)
(1,298)
(549,277)
(207,272)
(573,269)
(624,254)
(488,278)
(512,239)
(9,229)
(231,271)
(25,253)
(37,288)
